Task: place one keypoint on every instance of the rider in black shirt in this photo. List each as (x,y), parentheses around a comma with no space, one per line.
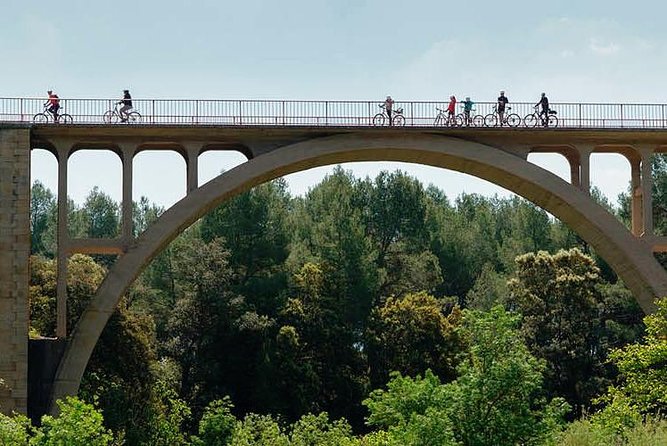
(544,113)
(502,102)
(127,105)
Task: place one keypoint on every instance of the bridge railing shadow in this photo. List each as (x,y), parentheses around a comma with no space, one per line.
(324,113)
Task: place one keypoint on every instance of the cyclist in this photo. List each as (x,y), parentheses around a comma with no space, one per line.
(127,106)
(451,108)
(389,106)
(544,114)
(53,102)
(502,102)
(467,108)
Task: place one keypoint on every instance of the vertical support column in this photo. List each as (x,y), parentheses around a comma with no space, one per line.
(585,168)
(127,205)
(14,268)
(647,191)
(192,162)
(636,196)
(575,168)
(63,243)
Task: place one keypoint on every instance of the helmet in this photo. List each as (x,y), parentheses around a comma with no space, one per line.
(388,97)
(49,91)
(544,94)
(126,91)
(502,91)
(452,97)
(467,98)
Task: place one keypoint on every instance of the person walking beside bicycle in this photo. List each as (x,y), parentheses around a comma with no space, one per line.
(451,109)
(53,102)
(544,113)
(501,104)
(127,106)
(389,106)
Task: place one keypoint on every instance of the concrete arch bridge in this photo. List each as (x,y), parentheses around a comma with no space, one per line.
(497,155)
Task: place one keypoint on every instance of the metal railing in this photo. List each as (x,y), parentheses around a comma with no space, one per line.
(325,113)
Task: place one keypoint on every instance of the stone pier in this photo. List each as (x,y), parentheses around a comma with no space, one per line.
(14,269)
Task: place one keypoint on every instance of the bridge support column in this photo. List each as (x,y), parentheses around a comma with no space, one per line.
(14,268)
(647,191)
(585,168)
(192,162)
(127,159)
(636,197)
(63,243)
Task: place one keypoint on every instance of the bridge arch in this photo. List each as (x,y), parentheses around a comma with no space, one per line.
(631,258)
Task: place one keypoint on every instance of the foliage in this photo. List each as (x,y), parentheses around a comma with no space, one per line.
(79,424)
(216,425)
(258,430)
(14,430)
(317,430)
(412,334)
(559,299)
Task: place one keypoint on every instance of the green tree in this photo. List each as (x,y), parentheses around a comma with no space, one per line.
(14,430)
(410,335)
(217,424)
(559,297)
(318,430)
(43,209)
(79,424)
(258,430)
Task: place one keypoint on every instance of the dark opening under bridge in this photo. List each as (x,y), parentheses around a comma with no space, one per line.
(278,138)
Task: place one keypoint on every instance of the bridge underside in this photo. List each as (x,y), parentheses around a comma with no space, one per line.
(496,155)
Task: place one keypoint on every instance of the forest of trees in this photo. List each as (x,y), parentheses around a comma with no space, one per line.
(367,312)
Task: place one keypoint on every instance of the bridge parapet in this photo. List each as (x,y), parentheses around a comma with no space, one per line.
(243,112)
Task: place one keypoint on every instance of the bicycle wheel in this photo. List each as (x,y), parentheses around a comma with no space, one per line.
(134,118)
(110,117)
(513,120)
(378,120)
(491,120)
(461,120)
(439,120)
(478,121)
(65,119)
(553,121)
(40,118)
(399,120)
(530,120)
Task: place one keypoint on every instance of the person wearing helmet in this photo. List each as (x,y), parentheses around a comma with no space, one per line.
(127,106)
(467,108)
(53,102)
(501,104)
(389,106)
(544,113)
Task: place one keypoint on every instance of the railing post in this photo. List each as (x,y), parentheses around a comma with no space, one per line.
(21,105)
(412,114)
(240,113)
(197,111)
(622,116)
(580,121)
(326,113)
(152,111)
(283,111)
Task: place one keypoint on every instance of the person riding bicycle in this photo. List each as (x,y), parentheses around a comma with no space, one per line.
(53,102)
(502,101)
(127,106)
(389,106)
(467,108)
(544,113)
(451,108)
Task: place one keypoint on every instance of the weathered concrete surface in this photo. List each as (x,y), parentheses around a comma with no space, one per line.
(630,257)
(14,270)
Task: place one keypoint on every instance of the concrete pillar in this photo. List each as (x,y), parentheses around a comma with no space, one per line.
(127,205)
(575,167)
(192,162)
(14,268)
(647,191)
(585,168)
(63,242)
(636,197)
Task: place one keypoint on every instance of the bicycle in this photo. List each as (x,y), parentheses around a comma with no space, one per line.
(47,116)
(113,116)
(397,118)
(532,119)
(467,120)
(510,119)
(444,118)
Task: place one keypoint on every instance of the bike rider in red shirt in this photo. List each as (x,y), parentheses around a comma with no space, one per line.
(451,108)
(54,104)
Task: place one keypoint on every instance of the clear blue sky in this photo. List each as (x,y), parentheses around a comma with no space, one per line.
(612,51)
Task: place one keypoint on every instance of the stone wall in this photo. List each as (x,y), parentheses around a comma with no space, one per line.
(14,269)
